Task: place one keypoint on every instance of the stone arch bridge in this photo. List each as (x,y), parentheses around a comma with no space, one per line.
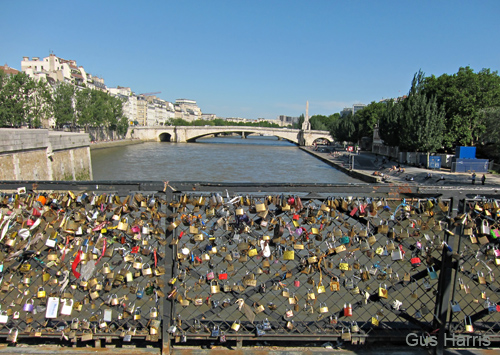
(184,134)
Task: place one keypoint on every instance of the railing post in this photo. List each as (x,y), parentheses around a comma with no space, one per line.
(443,298)
(169,269)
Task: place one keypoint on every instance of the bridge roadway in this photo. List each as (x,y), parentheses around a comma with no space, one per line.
(184,134)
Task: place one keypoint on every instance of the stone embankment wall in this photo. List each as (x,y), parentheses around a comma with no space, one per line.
(40,154)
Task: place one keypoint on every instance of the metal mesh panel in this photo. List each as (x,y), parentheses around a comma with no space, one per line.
(283,257)
(476,286)
(65,259)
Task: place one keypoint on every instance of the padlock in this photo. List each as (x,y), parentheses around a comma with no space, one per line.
(289,255)
(106,269)
(210,275)
(320,288)
(114,300)
(347,310)
(214,287)
(285,293)
(29,306)
(415,261)
(346,334)
(323,308)
(288,313)
(146,270)
(12,336)
(41,293)
(137,264)
(469,328)
(455,306)
(140,293)
(137,313)
(236,325)
(153,312)
(296,283)
(382,291)
(354,327)
(432,273)
(222,275)
(215,331)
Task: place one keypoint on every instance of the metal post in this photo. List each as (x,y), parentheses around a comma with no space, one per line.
(169,271)
(443,298)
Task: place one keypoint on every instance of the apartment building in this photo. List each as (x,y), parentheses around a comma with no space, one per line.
(352,110)
(284,121)
(187,110)
(55,69)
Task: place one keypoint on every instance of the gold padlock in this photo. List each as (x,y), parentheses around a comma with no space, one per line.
(106,269)
(137,313)
(214,287)
(41,293)
(323,308)
(153,312)
(289,255)
(236,325)
(137,263)
(146,271)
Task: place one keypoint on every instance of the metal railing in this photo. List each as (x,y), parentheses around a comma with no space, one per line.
(168,265)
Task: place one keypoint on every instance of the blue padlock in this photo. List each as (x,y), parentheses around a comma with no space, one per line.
(140,293)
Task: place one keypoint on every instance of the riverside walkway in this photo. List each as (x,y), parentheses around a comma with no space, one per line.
(370,166)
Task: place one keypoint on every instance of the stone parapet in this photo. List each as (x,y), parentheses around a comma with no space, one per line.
(39,154)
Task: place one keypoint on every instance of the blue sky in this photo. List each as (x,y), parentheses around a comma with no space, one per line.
(258,58)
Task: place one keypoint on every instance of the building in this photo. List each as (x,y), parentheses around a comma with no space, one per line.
(352,110)
(357,107)
(55,69)
(8,70)
(284,121)
(187,109)
(208,116)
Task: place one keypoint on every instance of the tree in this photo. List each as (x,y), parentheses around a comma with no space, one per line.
(464,95)
(63,105)
(416,123)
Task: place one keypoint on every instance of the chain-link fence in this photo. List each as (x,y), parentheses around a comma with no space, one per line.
(473,307)
(166,266)
(81,266)
(273,266)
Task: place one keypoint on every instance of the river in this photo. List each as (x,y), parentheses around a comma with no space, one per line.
(221,159)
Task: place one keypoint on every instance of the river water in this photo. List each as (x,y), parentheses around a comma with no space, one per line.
(221,159)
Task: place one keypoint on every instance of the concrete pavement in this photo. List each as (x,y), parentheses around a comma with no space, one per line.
(370,165)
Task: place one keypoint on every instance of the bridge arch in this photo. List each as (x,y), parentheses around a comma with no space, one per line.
(165,137)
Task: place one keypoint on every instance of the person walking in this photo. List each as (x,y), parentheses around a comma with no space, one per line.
(483,179)
(473,178)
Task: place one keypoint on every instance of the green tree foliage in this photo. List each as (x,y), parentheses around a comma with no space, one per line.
(63,105)
(465,97)
(417,121)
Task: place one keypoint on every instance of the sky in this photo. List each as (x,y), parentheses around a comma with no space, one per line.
(258,59)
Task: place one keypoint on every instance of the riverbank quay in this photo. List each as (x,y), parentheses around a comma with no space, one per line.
(368,167)
(114,144)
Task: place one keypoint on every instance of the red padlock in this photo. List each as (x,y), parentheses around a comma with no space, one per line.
(223,276)
(291,200)
(347,310)
(415,261)
(36,213)
(296,283)
(210,275)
